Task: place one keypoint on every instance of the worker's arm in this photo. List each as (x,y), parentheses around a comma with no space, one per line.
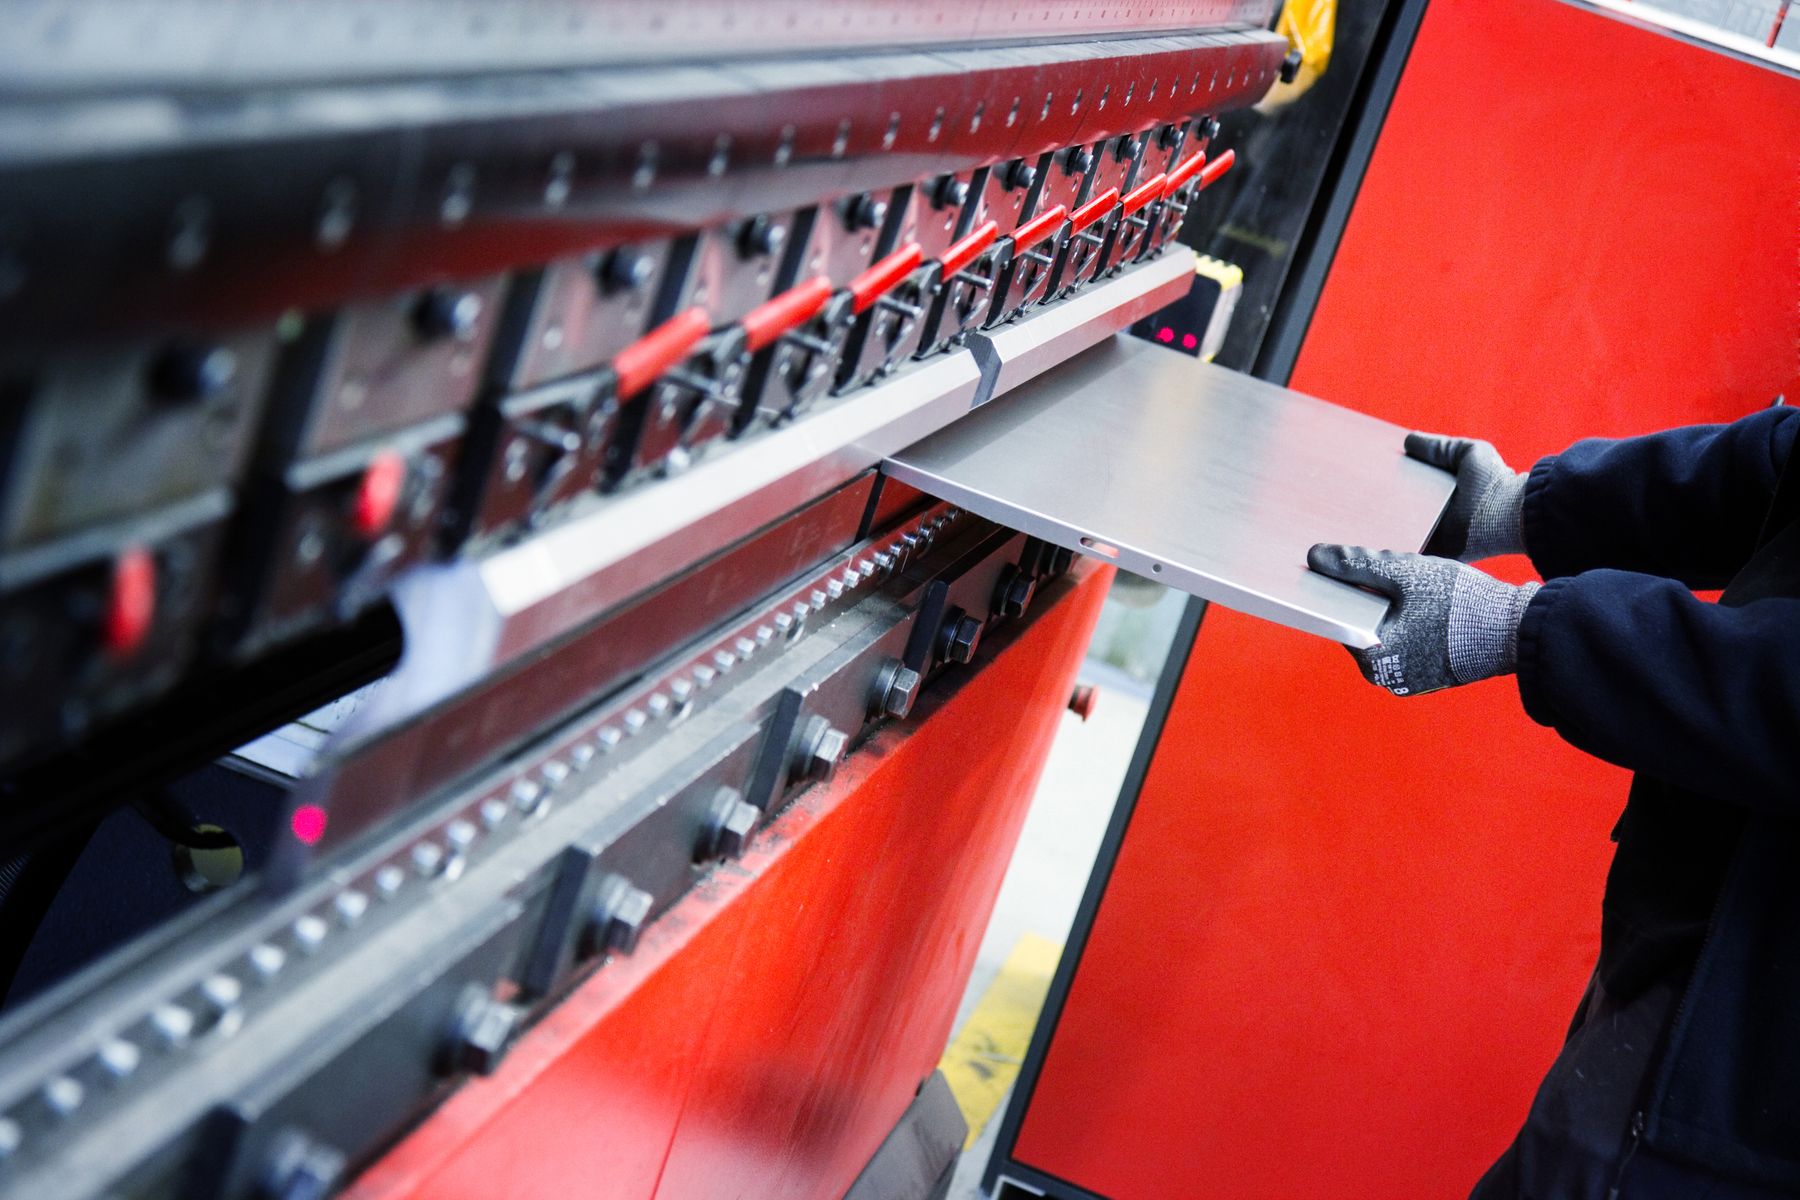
(1635,670)
(1685,504)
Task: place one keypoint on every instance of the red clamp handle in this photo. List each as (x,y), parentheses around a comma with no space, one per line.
(130,603)
(1040,227)
(378,493)
(873,283)
(1214,169)
(1094,209)
(796,306)
(638,364)
(963,253)
(1144,193)
(1186,171)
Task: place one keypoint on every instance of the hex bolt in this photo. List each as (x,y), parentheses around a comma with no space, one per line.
(1206,128)
(299,1167)
(728,829)
(1077,160)
(484,1031)
(950,192)
(822,747)
(447,313)
(960,637)
(619,916)
(864,211)
(760,237)
(1290,65)
(1014,594)
(1021,174)
(896,687)
(1062,560)
(1167,136)
(624,270)
(183,374)
(1123,147)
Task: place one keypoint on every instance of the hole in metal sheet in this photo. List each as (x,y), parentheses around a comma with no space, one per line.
(1104,549)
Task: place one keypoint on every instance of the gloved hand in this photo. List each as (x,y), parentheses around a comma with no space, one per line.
(1448,624)
(1483,517)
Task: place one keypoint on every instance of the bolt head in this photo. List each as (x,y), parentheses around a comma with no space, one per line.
(962,639)
(625,270)
(186,373)
(486,1028)
(761,237)
(447,313)
(620,916)
(737,822)
(1016,597)
(822,748)
(902,688)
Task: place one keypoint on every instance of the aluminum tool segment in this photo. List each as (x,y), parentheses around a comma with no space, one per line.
(1192,475)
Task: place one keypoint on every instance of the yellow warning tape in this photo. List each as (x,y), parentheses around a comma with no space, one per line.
(984,1057)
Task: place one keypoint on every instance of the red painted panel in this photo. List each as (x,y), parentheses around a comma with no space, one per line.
(1346,932)
(773,1026)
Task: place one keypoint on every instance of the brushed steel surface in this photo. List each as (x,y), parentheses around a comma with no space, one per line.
(1191,475)
(465,620)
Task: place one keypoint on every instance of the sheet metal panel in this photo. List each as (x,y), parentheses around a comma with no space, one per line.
(1192,475)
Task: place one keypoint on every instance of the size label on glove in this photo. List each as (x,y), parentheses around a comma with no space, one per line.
(1390,674)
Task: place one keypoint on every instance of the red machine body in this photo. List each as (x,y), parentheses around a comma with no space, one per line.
(1345,933)
(770,1030)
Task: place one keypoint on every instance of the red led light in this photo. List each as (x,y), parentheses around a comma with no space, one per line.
(1165,335)
(308,824)
(1189,341)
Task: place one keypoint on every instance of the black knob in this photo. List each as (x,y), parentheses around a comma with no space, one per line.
(1206,128)
(760,237)
(1123,148)
(950,192)
(1290,66)
(1167,136)
(1021,174)
(1061,561)
(183,374)
(960,638)
(1077,160)
(447,313)
(864,212)
(625,270)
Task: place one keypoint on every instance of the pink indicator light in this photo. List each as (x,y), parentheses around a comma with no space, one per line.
(308,824)
(1189,341)
(1165,334)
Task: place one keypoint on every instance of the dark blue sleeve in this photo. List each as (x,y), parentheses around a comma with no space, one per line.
(1685,504)
(1637,671)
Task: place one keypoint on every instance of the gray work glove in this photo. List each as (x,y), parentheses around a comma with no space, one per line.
(1483,517)
(1448,624)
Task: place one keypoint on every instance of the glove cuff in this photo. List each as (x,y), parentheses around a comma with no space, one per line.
(1484,625)
(1497,524)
